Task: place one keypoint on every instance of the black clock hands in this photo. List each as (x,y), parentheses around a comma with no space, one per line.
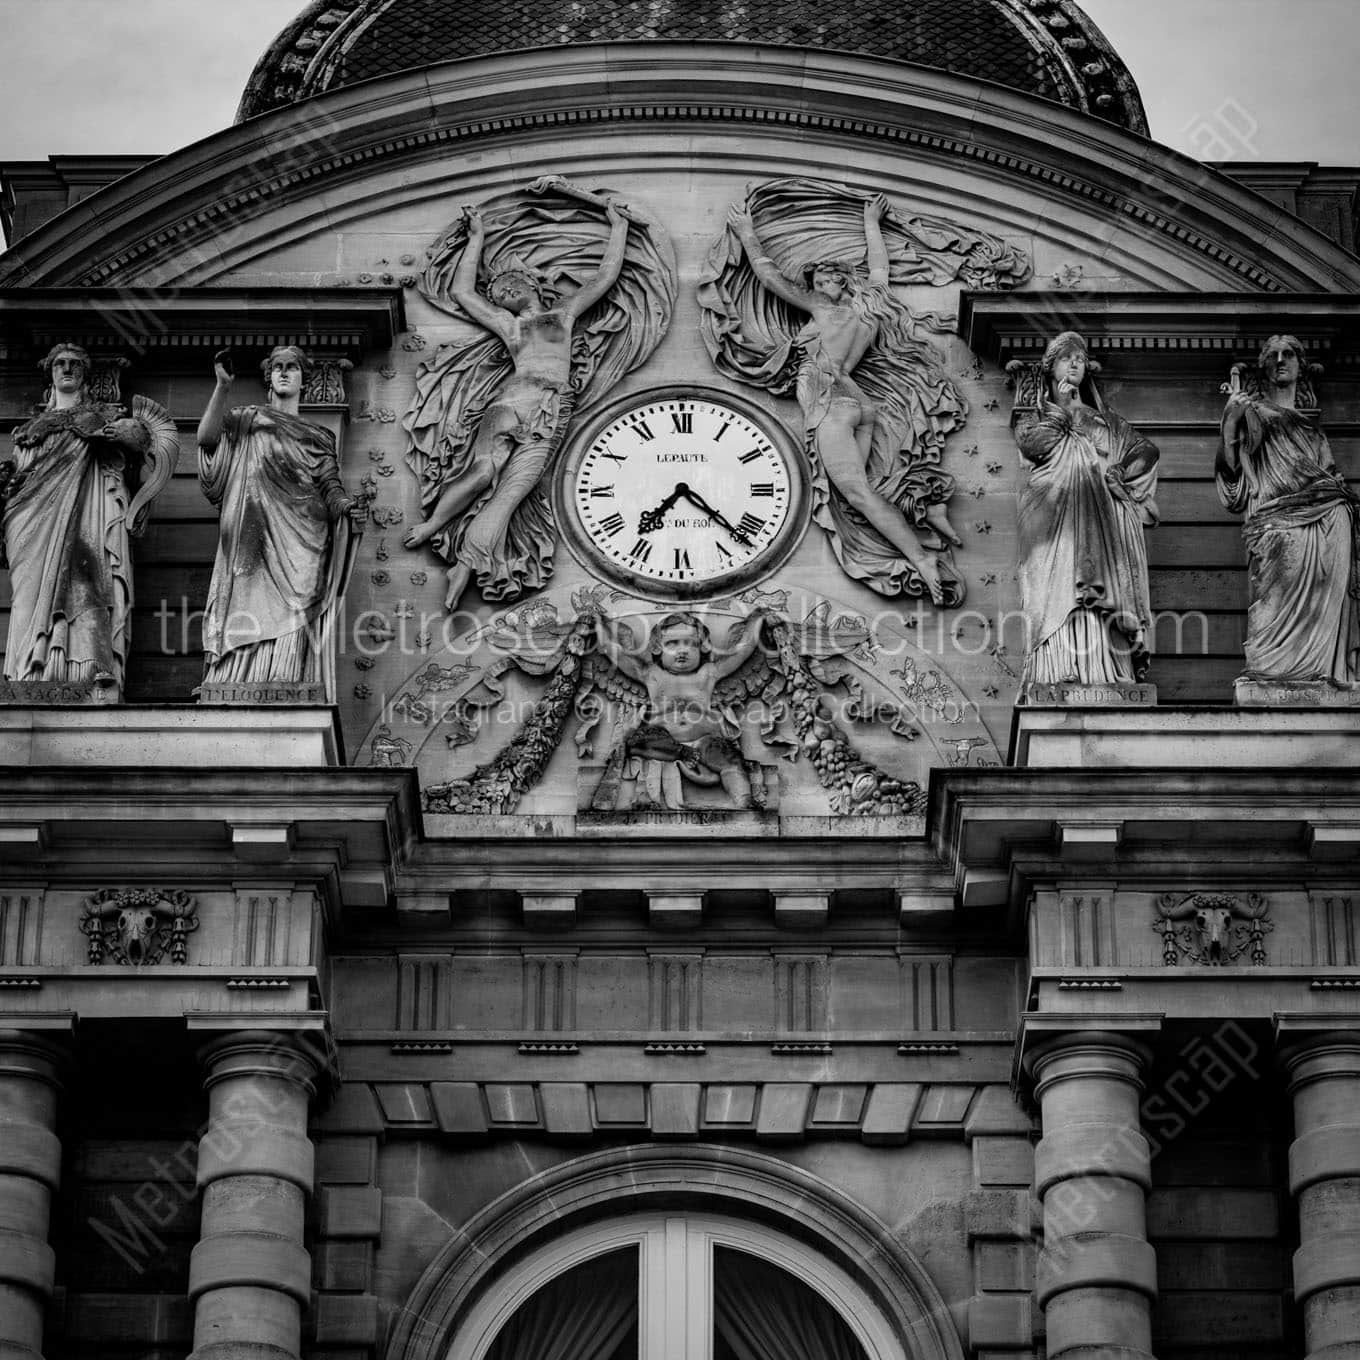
(700,503)
(651,520)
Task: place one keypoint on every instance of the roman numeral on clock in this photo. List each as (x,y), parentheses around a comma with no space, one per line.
(612,525)
(762,488)
(724,551)
(726,425)
(641,550)
(644,431)
(682,422)
(619,458)
(682,560)
(752,456)
(750,524)
(606,491)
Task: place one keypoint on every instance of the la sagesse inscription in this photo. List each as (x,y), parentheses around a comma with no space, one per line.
(683,492)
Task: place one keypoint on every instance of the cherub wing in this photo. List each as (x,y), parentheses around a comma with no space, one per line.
(601,682)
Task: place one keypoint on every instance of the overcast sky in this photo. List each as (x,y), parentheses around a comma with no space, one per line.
(1222,79)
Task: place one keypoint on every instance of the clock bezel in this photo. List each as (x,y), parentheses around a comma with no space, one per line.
(770,559)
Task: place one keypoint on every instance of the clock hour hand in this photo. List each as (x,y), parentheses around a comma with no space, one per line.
(701,504)
(651,520)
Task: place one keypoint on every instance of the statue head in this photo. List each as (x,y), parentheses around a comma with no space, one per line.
(515,284)
(68,370)
(1280,362)
(831,279)
(286,372)
(681,644)
(1066,359)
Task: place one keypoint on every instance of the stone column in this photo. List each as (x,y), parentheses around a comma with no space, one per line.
(1324,1178)
(250,1276)
(1097,1273)
(30,1169)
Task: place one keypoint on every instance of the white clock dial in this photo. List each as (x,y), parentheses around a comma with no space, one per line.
(682,493)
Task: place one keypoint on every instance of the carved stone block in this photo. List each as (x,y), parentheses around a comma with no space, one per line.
(1292,694)
(138,926)
(1037,695)
(267,692)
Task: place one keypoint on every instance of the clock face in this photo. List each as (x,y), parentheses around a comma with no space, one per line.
(683,494)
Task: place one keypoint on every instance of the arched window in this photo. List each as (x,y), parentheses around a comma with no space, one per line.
(675,1287)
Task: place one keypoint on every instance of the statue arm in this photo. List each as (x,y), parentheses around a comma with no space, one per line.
(876,248)
(1038,438)
(210,427)
(463,285)
(763,267)
(729,662)
(611,265)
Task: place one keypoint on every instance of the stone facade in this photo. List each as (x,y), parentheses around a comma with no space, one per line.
(1010,1028)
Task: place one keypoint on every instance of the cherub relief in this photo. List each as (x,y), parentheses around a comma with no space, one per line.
(683,735)
(562,315)
(684,714)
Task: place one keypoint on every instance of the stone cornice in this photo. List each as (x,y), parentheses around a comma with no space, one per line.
(1003,326)
(186,210)
(349,321)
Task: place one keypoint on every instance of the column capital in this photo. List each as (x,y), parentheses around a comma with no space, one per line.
(1312,1056)
(38,1055)
(299,1058)
(1086,1053)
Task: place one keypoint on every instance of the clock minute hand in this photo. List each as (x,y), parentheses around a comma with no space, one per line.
(701,504)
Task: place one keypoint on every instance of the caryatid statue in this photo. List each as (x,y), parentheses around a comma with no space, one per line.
(1083,511)
(575,290)
(283,548)
(85,475)
(1275,466)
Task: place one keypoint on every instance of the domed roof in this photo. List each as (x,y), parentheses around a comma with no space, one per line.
(1047,48)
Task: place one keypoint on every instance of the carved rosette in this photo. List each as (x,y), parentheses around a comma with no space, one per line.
(1212,929)
(139,926)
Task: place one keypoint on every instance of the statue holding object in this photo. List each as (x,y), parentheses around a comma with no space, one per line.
(1083,513)
(85,475)
(1275,466)
(562,317)
(284,545)
(797,298)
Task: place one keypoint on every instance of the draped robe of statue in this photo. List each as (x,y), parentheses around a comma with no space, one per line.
(562,239)
(1303,622)
(758,338)
(281,550)
(1083,554)
(67,532)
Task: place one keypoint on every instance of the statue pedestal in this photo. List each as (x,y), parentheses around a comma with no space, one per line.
(1077,695)
(264,692)
(1293,694)
(52,693)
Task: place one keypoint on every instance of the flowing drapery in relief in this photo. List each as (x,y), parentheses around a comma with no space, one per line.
(1083,555)
(757,338)
(562,239)
(281,549)
(1303,622)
